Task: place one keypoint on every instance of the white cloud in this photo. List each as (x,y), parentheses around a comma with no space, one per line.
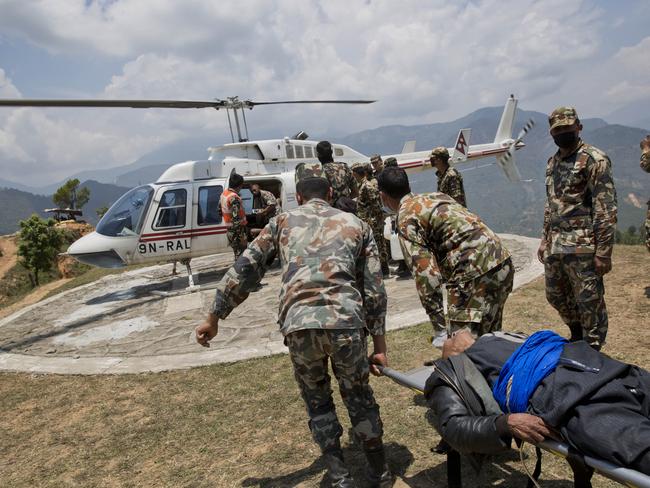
(633,62)
(423,61)
(7,88)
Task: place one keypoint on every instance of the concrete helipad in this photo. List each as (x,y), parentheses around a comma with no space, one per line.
(125,323)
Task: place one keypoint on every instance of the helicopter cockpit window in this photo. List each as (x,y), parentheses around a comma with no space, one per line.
(171,211)
(290,152)
(308,152)
(299,153)
(338,151)
(126,215)
(209,211)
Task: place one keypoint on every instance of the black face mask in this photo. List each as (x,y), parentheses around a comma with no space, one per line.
(566,140)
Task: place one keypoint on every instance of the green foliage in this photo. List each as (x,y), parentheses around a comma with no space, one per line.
(39,244)
(71,196)
(630,237)
(101,211)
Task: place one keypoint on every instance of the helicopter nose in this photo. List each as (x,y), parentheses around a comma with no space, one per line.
(96,250)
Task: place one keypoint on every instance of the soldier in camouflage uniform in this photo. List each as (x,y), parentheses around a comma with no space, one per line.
(234,215)
(450,181)
(645,166)
(344,186)
(443,242)
(377,164)
(264,207)
(369,209)
(579,228)
(332,295)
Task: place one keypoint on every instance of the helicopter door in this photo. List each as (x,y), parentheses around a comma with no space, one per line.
(209,234)
(169,225)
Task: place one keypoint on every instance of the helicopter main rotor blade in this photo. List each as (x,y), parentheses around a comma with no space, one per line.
(18,102)
(228,103)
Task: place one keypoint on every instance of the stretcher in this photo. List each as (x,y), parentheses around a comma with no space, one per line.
(416,379)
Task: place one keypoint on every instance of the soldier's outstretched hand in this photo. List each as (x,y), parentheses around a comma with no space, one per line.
(207,330)
(645,144)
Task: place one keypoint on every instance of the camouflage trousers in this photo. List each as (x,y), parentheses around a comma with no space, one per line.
(382,244)
(478,304)
(237,240)
(347,350)
(578,294)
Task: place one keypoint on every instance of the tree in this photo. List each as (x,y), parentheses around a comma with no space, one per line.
(39,244)
(71,196)
(101,211)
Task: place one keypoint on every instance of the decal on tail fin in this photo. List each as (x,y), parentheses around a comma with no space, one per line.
(461,149)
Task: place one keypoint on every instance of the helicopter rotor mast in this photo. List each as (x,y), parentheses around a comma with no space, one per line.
(233,104)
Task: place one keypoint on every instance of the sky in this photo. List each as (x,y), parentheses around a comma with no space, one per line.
(423,61)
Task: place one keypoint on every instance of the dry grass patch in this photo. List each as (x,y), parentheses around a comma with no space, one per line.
(244,424)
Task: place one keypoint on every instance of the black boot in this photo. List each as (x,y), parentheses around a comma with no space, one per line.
(337,471)
(378,473)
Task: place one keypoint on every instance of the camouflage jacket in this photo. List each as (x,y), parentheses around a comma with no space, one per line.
(264,200)
(442,241)
(341,179)
(451,183)
(369,207)
(645,166)
(331,276)
(580,210)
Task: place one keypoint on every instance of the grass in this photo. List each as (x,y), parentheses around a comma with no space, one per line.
(15,284)
(244,424)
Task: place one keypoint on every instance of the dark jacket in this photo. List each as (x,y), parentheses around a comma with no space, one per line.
(588,398)
(463,410)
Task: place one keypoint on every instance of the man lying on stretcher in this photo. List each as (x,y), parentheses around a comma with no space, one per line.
(548,387)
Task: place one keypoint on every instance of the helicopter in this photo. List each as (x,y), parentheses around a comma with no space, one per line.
(178,217)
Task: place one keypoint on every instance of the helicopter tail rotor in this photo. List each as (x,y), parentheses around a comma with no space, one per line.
(507,161)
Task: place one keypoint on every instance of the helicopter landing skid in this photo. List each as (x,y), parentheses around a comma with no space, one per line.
(191,287)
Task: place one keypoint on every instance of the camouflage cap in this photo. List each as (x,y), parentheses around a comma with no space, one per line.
(439,152)
(309,170)
(562,116)
(390,162)
(375,158)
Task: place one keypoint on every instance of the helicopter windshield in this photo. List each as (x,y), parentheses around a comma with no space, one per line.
(125,217)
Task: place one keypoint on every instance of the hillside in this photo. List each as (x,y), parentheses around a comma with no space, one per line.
(16,205)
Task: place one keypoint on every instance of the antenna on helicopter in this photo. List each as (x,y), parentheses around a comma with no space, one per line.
(233,104)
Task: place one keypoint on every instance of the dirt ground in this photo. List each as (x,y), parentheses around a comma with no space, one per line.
(8,257)
(244,424)
(35,296)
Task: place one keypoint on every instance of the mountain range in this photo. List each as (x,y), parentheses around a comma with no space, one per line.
(506,206)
